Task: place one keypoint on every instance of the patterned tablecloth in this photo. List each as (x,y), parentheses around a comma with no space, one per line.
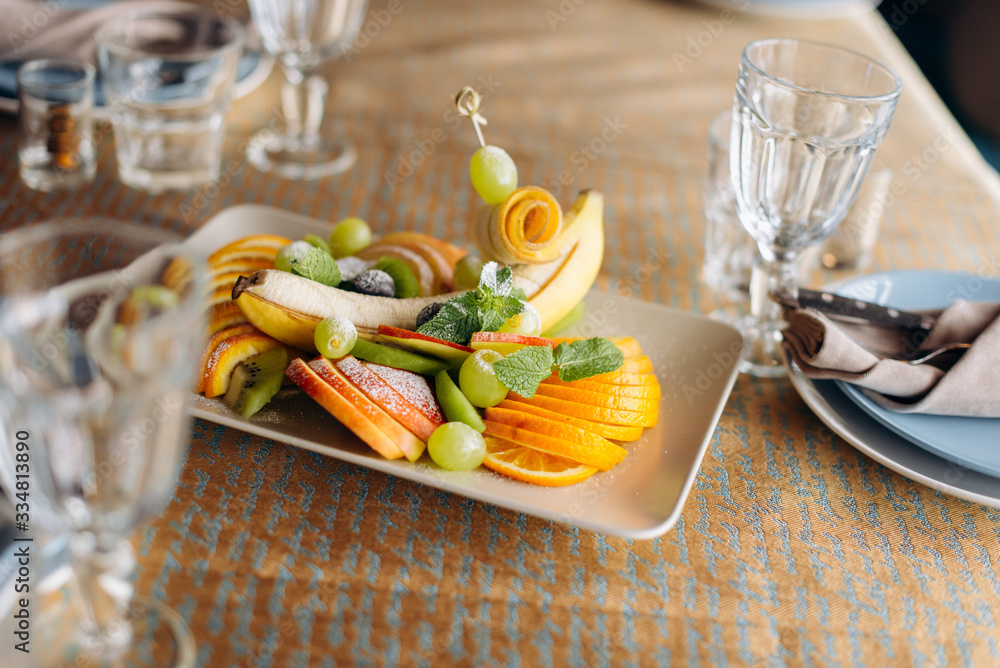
(794,549)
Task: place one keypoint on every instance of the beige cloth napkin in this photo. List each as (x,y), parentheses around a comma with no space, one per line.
(35,29)
(860,354)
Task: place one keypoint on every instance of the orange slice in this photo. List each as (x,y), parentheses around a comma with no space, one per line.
(177,274)
(638,391)
(640,364)
(213,343)
(628,345)
(602,457)
(219,296)
(613,432)
(592,413)
(245,265)
(532,466)
(623,378)
(246,255)
(598,398)
(230,354)
(226,279)
(272,242)
(224,316)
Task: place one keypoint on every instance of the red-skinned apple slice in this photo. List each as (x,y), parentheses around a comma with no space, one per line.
(413,387)
(387,398)
(425,345)
(505,343)
(411,446)
(342,409)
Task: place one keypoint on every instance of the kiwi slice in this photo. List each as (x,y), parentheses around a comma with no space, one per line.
(456,407)
(256,381)
(406,283)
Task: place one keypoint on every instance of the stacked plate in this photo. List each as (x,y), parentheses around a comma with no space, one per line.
(956,455)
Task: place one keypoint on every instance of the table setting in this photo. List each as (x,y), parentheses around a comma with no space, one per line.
(603,333)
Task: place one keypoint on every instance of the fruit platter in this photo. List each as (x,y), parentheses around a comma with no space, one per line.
(485,366)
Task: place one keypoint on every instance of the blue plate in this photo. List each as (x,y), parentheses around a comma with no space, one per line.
(971,442)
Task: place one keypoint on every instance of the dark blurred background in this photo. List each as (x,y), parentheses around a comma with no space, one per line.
(957,45)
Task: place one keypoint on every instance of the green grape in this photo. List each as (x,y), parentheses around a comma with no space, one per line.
(528,322)
(349,236)
(493,174)
(467,272)
(479,382)
(318,241)
(457,447)
(335,337)
(293,252)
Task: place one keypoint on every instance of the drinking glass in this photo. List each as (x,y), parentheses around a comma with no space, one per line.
(168,80)
(96,362)
(303,35)
(56,147)
(807,119)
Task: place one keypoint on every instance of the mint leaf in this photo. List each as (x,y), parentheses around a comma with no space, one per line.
(518,293)
(319,266)
(488,278)
(498,310)
(586,358)
(523,370)
(457,320)
(505,281)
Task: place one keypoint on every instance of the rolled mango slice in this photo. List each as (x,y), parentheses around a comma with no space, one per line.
(526,228)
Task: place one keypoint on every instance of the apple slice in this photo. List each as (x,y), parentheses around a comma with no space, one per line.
(387,397)
(411,446)
(444,271)
(413,387)
(453,353)
(336,405)
(449,251)
(506,343)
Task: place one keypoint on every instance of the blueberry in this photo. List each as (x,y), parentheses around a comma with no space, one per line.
(427,313)
(350,267)
(374,282)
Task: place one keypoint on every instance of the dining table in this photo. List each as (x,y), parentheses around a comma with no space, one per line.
(793,548)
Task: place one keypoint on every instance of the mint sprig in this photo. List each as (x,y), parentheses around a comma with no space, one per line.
(319,266)
(524,369)
(587,357)
(484,309)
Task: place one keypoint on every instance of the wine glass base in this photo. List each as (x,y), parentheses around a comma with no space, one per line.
(156,637)
(762,356)
(293,158)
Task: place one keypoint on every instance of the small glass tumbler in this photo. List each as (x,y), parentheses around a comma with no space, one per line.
(56,147)
(168,80)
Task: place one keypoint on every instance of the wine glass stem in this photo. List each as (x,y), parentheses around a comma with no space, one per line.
(769,276)
(303,100)
(103,569)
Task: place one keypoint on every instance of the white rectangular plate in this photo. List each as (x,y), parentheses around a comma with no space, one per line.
(695,360)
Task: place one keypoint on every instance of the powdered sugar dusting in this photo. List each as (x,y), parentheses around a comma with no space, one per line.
(414,388)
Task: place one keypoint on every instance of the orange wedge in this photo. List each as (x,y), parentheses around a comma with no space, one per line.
(602,457)
(592,413)
(613,432)
(271,242)
(628,345)
(622,378)
(554,428)
(230,354)
(640,364)
(638,391)
(213,343)
(532,466)
(598,398)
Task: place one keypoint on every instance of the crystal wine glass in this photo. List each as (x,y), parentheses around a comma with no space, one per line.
(96,361)
(303,35)
(807,119)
